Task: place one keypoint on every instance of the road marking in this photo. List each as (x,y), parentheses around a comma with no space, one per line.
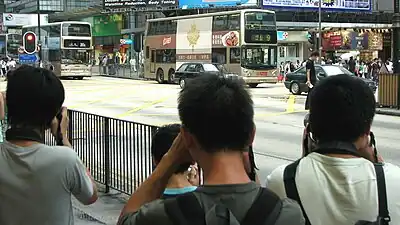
(290,103)
(144,106)
(103,99)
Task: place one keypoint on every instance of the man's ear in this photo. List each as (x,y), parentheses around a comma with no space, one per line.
(187,138)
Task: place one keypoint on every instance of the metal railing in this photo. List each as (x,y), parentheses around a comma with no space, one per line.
(117,152)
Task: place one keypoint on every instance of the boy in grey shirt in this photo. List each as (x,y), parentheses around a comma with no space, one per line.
(37,180)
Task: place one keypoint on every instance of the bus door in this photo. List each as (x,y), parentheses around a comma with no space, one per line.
(152,60)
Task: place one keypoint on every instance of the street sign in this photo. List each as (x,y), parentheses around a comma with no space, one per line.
(27,58)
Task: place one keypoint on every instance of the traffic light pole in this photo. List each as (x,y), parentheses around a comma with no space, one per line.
(39,33)
(320,29)
(396,46)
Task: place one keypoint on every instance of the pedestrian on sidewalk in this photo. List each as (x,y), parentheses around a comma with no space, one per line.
(311,76)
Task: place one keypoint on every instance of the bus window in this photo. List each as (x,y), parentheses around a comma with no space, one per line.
(218,55)
(234,55)
(166,56)
(220,23)
(234,22)
(55,30)
(147,52)
(162,27)
(76,30)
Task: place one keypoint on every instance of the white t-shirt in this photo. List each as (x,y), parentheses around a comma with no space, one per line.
(337,191)
(36,184)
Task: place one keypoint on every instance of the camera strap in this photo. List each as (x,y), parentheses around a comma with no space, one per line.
(338,148)
(24,134)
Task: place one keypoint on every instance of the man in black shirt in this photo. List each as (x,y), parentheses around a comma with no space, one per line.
(311,76)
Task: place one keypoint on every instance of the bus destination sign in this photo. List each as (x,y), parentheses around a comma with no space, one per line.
(261,36)
(76,43)
(145,4)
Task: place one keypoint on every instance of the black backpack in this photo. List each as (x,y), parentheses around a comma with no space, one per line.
(340,148)
(187,210)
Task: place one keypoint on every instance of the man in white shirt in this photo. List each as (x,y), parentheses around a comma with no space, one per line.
(341,188)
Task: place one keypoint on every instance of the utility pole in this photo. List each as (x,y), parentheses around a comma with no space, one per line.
(39,33)
(320,29)
(396,46)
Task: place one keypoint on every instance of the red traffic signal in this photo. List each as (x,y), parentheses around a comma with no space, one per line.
(29,42)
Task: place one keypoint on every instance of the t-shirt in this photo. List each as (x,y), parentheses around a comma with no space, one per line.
(173,192)
(36,184)
(340,191)
(310,66)
(237,197)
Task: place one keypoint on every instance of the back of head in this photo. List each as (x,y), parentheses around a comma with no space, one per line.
(34,96)
(342,108)
(218,112)
(162,141)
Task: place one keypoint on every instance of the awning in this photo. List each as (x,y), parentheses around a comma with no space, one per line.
(75,14)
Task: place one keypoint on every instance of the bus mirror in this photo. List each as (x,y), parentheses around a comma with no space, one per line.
(138,42)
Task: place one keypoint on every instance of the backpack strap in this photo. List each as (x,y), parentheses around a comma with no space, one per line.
(383,216)
(289,176)
(185,210)
(263,210)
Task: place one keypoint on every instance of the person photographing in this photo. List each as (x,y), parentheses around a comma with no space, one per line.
(311,76)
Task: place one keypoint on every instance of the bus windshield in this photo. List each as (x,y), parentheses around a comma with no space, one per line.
(259,20)
(74,56)
(259,57)
(82,30)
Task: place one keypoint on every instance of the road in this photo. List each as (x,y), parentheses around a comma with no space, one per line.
(278,115)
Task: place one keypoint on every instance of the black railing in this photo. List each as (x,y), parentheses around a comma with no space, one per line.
(117,152)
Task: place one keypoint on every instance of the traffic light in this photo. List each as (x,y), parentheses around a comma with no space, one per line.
(311,37)
(29,42)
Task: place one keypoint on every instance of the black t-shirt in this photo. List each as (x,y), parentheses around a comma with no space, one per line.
(310,66)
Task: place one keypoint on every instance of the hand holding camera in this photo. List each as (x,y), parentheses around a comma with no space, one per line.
(59,126)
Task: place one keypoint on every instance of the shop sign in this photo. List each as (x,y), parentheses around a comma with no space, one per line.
(140,4)
(125,41)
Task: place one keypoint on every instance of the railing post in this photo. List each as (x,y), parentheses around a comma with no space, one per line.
(107,169)
(70,126)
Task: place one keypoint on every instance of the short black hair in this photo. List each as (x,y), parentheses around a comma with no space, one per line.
(342,108)
(162,141)
(34,96)
(218,112)
(316,54)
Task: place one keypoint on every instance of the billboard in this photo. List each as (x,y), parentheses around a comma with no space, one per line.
(351,40)
(190,4)
(17,20)
(145,4)
(354,5)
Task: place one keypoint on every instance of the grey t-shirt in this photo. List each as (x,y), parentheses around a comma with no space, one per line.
(36,184)
(238,198)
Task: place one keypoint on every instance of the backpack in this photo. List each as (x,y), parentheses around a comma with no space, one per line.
(340,148)
(187,210)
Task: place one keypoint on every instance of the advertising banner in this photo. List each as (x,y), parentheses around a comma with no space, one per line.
(193,4)
(358,5)
(145,4)
(350,40)
(16,20)
(193,40)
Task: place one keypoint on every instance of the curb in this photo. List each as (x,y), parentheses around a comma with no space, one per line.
(122,77)
(388,112)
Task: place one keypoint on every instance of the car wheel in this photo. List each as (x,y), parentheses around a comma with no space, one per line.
(160,76)
(182,83)
(295,88)
(253,85)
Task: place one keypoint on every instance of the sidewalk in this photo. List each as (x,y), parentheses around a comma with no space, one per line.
(388,111)
(105,211)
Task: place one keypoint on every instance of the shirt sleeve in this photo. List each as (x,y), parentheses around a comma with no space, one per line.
(79,182)
(151,213)
(275,182)
(308,65)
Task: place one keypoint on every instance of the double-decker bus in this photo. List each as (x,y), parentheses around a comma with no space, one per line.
(245,41)
(10,44)
(66,47)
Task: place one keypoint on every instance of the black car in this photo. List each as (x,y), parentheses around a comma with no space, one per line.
(296,81)
(190,70)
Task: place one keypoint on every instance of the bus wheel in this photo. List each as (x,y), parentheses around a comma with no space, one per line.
(170,72)
(160,76)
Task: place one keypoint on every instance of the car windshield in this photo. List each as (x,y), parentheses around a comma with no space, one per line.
(336,70)
(210,68)
(221,68)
